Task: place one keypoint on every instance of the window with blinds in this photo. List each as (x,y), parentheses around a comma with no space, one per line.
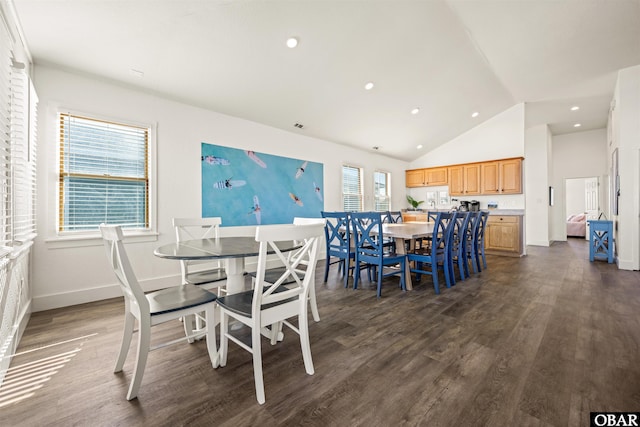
(104,174)
(381,191)
(24,103)
(351,189)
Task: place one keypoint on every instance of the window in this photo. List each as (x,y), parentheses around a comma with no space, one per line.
(351,188)
(104,174)
(381,191)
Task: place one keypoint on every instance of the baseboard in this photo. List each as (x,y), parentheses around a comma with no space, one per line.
(545,243)
(83,296)
(625,265)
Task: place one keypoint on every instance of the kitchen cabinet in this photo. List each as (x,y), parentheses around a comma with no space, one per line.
(501,177)
(464,180)
(414,216)
(415,178)
(503,235)
(426,177)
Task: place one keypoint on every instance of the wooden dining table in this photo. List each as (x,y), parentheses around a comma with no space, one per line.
(407,231)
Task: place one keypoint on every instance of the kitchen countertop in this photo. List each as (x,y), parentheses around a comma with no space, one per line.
(506,212)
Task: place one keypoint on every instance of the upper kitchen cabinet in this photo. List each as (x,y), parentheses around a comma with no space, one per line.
(426,177)
(464,180)
(501,176)
(415,178)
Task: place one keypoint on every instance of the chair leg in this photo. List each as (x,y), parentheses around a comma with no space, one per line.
(434,274)
(379,281)
(403,284)
(129,322)
(356,274)
(303,331)
(345,269)
(211,335)
(484,258)
(313,303)
(224,339)
(327,264)
(188,322)
(144,338)
(257,362)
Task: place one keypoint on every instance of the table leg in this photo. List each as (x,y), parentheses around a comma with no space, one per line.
(234,267)
(401,249)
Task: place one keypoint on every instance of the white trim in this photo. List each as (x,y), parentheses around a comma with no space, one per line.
(70,240)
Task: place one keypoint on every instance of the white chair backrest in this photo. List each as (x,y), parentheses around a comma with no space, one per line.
(196,228)
(193,229)
(310,234)
(133,294)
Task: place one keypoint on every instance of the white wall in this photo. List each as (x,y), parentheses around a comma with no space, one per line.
(626,138)
(537,177)
(575,155)
(501,136)
(66,276)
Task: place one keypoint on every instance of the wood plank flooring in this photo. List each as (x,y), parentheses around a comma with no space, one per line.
(537,341)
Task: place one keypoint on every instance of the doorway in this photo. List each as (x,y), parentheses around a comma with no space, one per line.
(581,204)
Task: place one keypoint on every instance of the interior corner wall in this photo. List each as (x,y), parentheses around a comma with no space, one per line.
(67,276)
(625,136)
(499,137)
(537,185)
(575,155)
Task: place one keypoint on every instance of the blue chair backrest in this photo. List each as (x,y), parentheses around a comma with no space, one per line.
(432,216)
(482,222)
(472,229)
(367,228)
(392,217)
(460,230)
(336,231)
(442,231)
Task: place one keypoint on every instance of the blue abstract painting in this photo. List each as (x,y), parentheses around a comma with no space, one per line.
(250,188)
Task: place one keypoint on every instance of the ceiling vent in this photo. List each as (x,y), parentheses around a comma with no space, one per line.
(298,125)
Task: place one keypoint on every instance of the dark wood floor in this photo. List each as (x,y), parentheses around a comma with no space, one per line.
(540,340)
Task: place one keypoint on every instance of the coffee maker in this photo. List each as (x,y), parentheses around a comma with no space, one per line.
(469,206)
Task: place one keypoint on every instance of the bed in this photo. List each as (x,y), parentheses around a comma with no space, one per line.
(577,225)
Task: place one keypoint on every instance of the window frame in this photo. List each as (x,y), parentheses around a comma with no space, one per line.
(387,175)
(361,182)
(75,238)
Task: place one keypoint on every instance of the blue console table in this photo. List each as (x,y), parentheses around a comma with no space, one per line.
(601,240)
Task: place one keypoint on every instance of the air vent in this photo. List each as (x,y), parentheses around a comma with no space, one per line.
(298,125)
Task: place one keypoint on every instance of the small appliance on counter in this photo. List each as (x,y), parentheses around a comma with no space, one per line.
(469,206)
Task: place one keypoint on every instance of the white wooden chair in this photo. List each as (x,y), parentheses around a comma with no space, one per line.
(271,303)
(153,308)
(210,273)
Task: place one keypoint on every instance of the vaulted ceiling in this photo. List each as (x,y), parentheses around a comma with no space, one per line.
(448,58)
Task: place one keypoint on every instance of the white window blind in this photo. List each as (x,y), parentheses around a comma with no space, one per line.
(351,188)
(104,174)
(23,155)
(5,137)
(381,191)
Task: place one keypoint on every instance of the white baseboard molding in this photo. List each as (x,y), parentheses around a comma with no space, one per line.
(545,243)
(83,296)
(625,265)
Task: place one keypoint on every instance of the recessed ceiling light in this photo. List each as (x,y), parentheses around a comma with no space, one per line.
(369,86)
(577,125)
(415,111)
(292,42)
(575,108)
(419,146)
(475,114)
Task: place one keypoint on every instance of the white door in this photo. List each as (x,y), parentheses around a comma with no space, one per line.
(591,200)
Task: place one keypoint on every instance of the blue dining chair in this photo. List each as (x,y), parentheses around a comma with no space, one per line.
(471,243)
(338,243)
(435,256)
(369,248)
(457,243)
(482,225)
(392,217)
